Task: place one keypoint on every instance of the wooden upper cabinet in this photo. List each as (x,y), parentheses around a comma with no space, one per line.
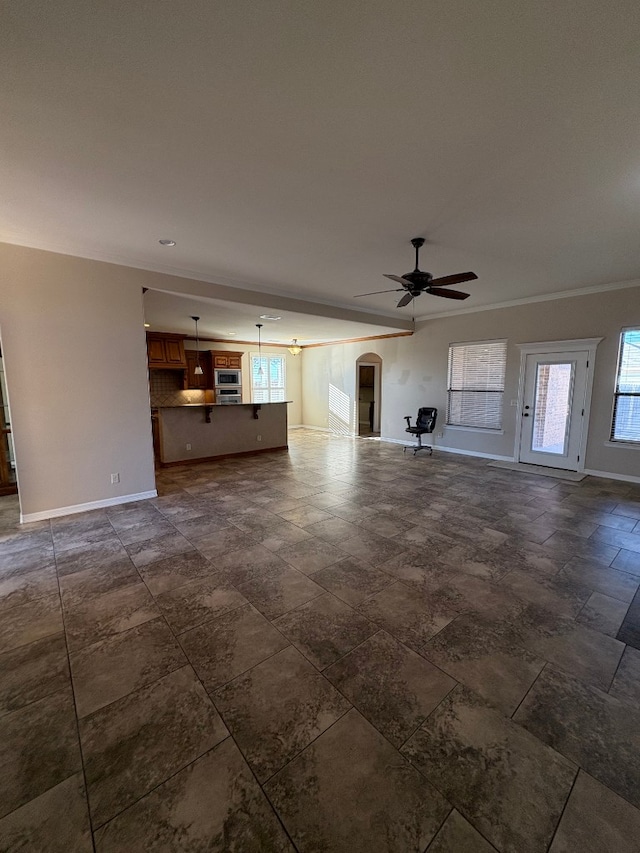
(192,380)
(166,351)
(222,358)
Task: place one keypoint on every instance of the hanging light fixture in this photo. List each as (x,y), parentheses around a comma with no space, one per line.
(294,349)
(198,370)
(260,370)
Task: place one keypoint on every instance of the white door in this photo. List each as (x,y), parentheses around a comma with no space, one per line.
(553,418)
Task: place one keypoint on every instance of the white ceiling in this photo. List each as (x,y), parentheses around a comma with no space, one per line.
(294,148)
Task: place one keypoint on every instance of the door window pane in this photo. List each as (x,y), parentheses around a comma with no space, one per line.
(552,407)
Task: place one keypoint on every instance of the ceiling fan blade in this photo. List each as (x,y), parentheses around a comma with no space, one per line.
(403,281)
(457,278)
(449,294)
(375,292)
(405,300)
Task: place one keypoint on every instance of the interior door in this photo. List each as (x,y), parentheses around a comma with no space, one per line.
(553,409)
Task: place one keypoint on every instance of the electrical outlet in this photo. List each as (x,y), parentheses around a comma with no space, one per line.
(258,438)
(188,447)
(115,478)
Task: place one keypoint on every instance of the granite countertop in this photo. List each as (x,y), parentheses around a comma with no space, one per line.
(218,405)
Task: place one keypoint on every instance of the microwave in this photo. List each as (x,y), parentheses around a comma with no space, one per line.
(228,377)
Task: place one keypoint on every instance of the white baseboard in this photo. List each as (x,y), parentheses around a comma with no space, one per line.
(451,450)
(310,426)
(607,475)
(25,518)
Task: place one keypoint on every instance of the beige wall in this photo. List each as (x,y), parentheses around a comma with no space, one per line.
(75,360)
(414,372)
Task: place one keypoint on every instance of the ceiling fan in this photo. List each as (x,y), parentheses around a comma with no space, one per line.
(417,282)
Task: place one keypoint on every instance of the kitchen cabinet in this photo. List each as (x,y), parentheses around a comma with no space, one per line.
(192,380)
(166,351)
(222,359)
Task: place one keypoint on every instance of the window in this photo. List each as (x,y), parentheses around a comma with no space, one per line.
(267,379)
(476,384)
(626,401)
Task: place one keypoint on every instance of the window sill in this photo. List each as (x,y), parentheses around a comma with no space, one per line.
(474,429)
(626,445)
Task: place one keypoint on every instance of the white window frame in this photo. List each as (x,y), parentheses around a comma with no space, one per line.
(478,427)
(272,391)
(621,442)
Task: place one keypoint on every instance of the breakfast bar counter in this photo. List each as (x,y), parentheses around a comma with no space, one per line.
(199,432)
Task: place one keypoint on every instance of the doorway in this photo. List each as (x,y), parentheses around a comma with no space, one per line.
(8,484)
(368,395)
(555,393)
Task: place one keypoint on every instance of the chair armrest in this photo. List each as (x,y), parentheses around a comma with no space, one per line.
(408,420)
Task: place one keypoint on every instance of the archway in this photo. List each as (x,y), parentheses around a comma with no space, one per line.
(368,394)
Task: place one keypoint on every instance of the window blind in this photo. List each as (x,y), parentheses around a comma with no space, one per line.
(268,386)
(625,425)
(476,384)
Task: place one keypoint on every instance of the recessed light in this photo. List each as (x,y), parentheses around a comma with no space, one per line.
(167,242)
(230,334)
(269,317)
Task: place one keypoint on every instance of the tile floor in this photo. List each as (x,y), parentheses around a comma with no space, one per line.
(342,648)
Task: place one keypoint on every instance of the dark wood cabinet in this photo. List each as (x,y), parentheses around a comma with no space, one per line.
(166,351)
(223,359)
(192,380)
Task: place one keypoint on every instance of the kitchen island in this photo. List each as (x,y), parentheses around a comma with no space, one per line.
(200,432)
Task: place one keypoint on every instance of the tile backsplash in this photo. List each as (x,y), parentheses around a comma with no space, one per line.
(165,389)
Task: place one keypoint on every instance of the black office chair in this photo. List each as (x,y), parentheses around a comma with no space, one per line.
(425,423)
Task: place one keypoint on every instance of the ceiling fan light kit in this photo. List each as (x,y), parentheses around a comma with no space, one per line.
(294,349)
(417,282)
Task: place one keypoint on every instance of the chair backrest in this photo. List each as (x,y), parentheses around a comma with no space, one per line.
(426,419)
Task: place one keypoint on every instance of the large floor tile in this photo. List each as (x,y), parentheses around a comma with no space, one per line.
(510,785)
(596,820)
(38,749)
(603,613)
(168,573)
(325,629)
(352,580)
(137,742)
(277,708)
(31,621)
(486,662)
(311,555)
(213,804)
(371,548)
(626,684)
(280,591)
(392,686)
(592,728)
(90,583)
(351,790)
(411,618)
(33,671)
(112,668)
(228,645)
(150,550)
(92,556)
(629,631)
(458,836)
(56,822)
(20,587)
(599,578)
(196,602)
(585,653)
(95,618)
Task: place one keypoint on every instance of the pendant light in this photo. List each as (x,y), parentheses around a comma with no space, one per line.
(260,370)
(294,349)
(198,370)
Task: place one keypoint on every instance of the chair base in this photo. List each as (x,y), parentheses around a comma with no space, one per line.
(419,446)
